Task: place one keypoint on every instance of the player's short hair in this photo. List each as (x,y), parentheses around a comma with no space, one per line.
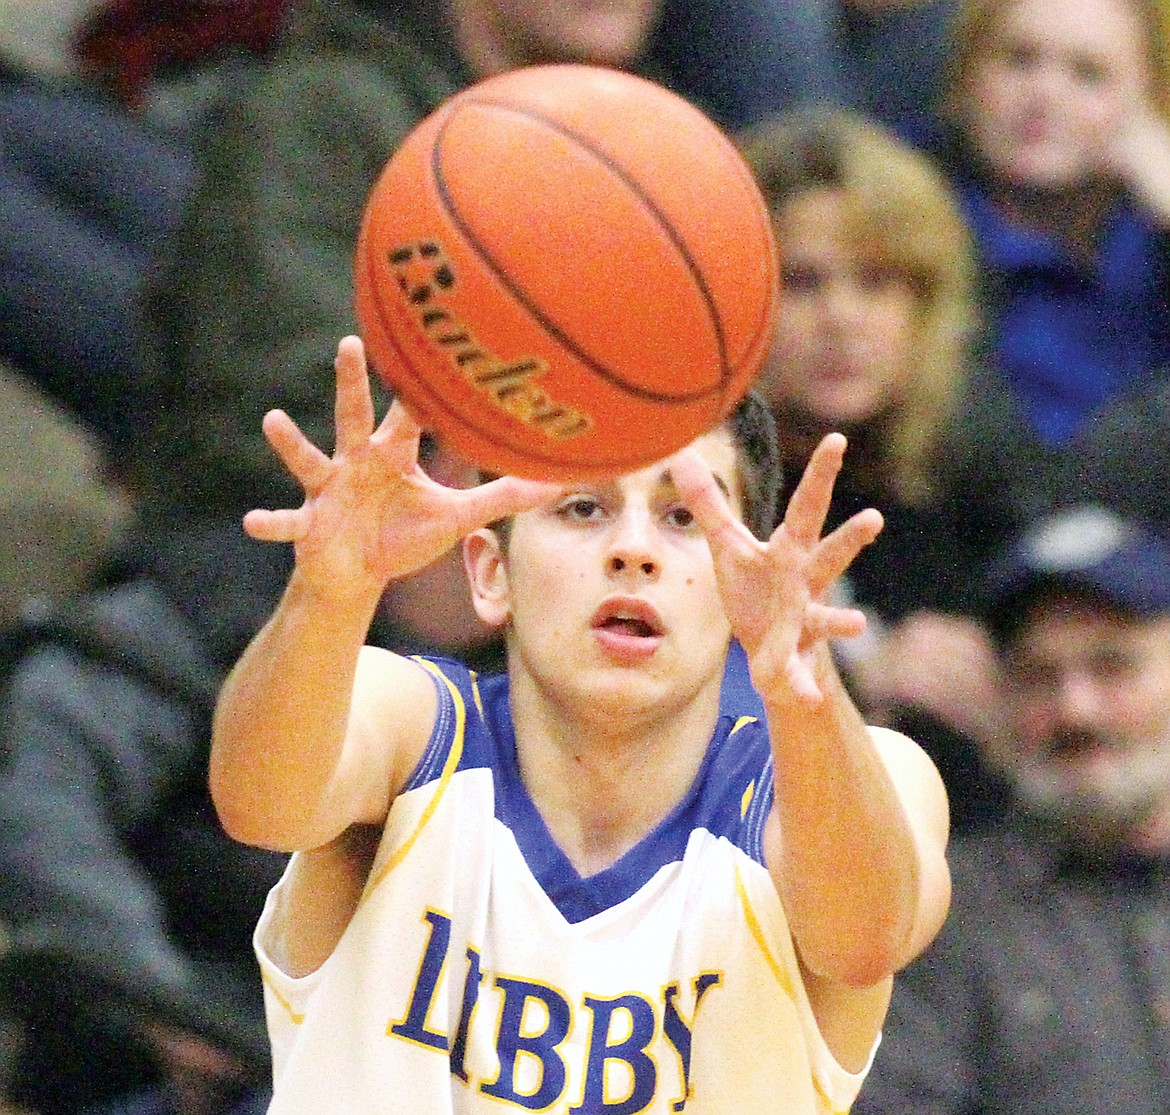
(757,451)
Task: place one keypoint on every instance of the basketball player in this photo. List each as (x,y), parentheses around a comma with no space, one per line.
(579,887)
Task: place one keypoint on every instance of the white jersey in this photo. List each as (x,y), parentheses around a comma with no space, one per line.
(481,973)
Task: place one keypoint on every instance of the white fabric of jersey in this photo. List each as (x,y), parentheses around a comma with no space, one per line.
(481,973)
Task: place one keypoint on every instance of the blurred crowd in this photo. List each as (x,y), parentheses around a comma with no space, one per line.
(973,203)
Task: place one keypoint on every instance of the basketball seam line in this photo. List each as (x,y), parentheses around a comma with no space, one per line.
(591,362)
(436,401)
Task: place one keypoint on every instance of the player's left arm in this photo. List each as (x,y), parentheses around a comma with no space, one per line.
(856,843)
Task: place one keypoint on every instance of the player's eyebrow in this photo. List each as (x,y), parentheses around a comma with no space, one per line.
(666,478)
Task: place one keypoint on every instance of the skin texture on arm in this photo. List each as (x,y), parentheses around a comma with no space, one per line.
(856,841)
(314,733)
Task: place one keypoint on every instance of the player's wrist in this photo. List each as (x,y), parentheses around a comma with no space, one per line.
(332,596)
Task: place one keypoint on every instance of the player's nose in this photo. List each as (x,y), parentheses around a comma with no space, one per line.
(634,546)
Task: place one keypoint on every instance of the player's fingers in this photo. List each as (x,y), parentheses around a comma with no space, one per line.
(801,680)
(823,621)
(307,464)
(501,498)
(701,495)
(809,506)
(274,526)
(353,408)
(837,550)
(399,432)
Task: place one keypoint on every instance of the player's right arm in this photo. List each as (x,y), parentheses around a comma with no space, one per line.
(313,732)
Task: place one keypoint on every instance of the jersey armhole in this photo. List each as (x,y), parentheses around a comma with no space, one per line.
(756,811)
(285,995)
(434,756)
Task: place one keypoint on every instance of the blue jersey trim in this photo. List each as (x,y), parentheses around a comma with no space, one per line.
(730,797)
(430,766)
(758,811)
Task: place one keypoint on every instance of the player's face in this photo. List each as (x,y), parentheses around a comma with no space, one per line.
(1052,87)
(1090,706)
(601,32)
(845,336)
(609,593)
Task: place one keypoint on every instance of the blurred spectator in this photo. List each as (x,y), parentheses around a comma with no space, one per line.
(1062,161)
(754,58)
(94,167)
(1048,987)
(60,512)
(873,340)
(127,911)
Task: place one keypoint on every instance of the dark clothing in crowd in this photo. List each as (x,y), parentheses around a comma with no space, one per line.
(1071,334)
(1048,989)
(123,897)
(87,194)
(747,59)
(1122,459)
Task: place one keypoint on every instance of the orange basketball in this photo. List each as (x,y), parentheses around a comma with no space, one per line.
(566,272)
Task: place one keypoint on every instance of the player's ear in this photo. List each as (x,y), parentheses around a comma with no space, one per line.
(487,573)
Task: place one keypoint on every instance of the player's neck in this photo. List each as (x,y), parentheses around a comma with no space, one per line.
(602,784)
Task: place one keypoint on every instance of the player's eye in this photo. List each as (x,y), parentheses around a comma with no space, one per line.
(579,509)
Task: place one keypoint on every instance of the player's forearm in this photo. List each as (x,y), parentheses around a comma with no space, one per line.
(848,865)
(280,722)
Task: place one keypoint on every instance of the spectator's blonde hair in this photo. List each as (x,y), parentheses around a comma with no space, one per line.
(972,33)
(903,216)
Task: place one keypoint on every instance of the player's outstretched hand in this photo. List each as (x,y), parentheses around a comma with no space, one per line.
(371,514)
(774,592)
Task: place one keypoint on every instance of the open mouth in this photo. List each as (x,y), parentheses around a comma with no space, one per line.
(629,625)
(623,620)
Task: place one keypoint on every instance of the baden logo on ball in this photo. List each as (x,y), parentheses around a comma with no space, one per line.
(509,385)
